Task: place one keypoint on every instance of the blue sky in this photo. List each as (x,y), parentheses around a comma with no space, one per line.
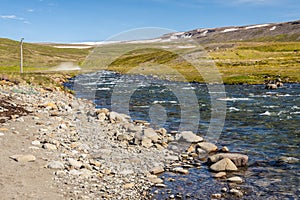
(96,20)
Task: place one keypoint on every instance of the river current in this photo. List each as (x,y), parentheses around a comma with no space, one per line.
(261,123)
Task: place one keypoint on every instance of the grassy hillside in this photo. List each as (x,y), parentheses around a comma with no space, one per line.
(237,62)
(36,57)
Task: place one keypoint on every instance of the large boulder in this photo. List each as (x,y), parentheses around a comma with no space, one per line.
(239,160)
(189,136)
(224,165)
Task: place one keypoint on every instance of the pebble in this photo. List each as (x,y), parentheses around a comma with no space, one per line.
(180,170)
(1,134)
(236,192)
(235,179)
(74,163)
(157,170)
(216,196)
(49,146)
(36,143)
(220,175)
(55,165)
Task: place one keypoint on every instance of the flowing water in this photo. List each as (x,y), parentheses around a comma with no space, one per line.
(261,123)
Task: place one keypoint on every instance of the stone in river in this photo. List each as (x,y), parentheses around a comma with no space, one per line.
(23,158)
(207,146)
(235,179)
(216,196)
(224,165)
(220,175)
(236,192)
(238,159)
(189,136)
(180,170)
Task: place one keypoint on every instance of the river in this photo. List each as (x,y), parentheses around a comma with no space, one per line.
(261,123)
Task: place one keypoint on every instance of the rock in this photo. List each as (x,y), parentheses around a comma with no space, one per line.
(235,179)
(271,86)
(49,146)
(124,137)
(207,146)
(63,126)
(160,185)
(55,165)
(101,116)
(105,111)
(95,163)
(154,179)
(131,128)
(225,149)
(224,165)
(224,189)
(157,170)
(74,163)
(23,158)
(128,185)
(147,142)
(162,131)
(189,136)
(151,134)
(116,117)
(238,159)
(1,134)
(290,160)
(220,175)
(180,170)
(236,192)
(36,143)
(216,196)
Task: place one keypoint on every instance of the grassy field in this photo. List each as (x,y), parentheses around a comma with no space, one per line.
(235,62)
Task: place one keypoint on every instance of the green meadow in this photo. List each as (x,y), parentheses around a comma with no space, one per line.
(234,62)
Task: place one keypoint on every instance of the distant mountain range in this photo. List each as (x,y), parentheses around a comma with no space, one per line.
(287,31)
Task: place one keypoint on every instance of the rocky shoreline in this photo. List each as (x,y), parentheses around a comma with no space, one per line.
(97,154)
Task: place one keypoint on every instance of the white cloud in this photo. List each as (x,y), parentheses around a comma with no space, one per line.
(30,10)
(11,17)
(14,17)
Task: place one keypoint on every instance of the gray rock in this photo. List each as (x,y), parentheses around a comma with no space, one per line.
(74,163)
(180,170)
(216,196)
(207,146)
(235,179)
(49,146)
(236,192)
(157,170)
(238,159)
(23,158)
(151,134)
(55,165)
(189,136)
(224,165)
(147,142)
(220,175)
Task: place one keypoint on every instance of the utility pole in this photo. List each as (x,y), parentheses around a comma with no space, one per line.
(21,55)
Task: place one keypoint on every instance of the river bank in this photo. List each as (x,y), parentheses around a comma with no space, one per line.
(57,146)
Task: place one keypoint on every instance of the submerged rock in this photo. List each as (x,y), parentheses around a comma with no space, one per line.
(238,159)
(224,165)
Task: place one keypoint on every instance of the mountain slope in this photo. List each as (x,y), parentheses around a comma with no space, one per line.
(281,32)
